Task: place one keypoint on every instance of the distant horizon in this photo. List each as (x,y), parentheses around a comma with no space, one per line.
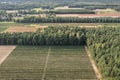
(20,1)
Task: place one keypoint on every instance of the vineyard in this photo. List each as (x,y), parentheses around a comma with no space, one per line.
(46,63)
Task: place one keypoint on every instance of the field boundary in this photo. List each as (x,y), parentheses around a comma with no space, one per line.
(99,76)
(5,55)
(46,63)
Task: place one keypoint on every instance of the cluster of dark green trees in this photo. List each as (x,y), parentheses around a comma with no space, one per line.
(67,20)
(48,36)
(104,44)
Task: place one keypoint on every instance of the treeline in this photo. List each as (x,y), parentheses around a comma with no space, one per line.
(67,20)
(61,11)
(30,12)
(104,44)
(49,36)
(25,6)
(72,11)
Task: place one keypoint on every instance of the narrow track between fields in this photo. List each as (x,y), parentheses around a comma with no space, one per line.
(46,64)
(93,64)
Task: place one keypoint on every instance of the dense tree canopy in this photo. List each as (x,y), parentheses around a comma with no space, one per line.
(67,20)
(49,36)
(104,44)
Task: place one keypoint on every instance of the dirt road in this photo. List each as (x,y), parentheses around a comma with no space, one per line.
(94,65)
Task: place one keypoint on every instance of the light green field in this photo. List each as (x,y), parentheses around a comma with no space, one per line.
(60,63)
(37,9)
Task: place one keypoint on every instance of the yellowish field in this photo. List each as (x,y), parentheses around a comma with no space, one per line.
(108,10)
(114,15)
(65,7)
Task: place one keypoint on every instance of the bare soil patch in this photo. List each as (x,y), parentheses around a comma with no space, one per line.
(5,51)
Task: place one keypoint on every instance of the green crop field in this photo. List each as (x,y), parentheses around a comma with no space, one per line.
(4,26)
(47,63)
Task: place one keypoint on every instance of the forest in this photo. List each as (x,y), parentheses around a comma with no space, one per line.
(53,19)
(103,43)
(51,36)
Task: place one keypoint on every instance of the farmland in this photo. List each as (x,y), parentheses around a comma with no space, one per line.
(114,15)
(4,27)
(5,51)
(28,62)
(60,40)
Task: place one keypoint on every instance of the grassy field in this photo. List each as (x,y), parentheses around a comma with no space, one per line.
(4,26)
(36,63)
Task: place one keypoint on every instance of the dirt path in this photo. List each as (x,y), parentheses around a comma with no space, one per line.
(5,51)
(93,65)
(46,63)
